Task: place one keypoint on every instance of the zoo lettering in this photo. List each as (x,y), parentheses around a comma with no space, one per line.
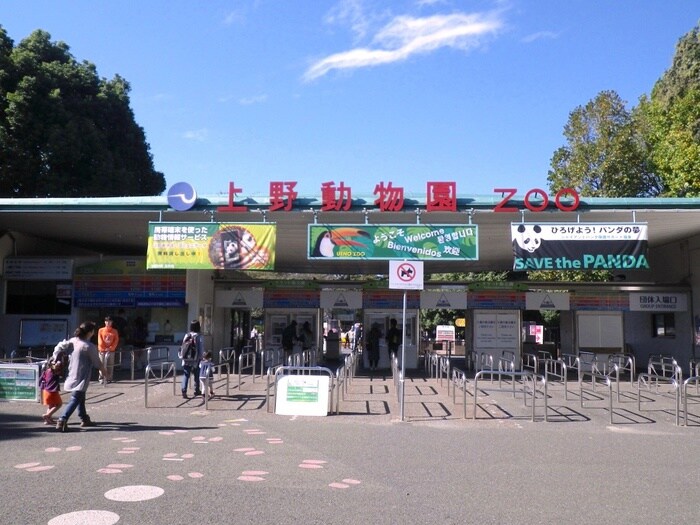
(542,204)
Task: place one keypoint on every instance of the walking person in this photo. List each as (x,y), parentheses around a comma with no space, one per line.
(373,338)
(50,390)
(191,354)
(82,359)
(393,338)
(107,342)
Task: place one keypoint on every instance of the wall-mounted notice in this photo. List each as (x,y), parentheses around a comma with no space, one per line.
(19,382)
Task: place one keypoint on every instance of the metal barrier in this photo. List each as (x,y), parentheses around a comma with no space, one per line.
(270,375)
(228,354)
(444,371)
(597,376)
(559,369)
(648,379)
(459,380)
(513,375)
(246,361)
(270,357)
(147,374)
(154,354)
(662,365)
(471,358)
(533,380)
(693,379)
(506,365)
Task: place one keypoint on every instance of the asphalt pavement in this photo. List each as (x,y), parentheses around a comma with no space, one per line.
(232,461)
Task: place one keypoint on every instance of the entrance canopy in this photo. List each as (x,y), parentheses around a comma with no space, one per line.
(119,226)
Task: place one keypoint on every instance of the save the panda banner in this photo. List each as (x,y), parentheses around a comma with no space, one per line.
(580,246)
(211,245)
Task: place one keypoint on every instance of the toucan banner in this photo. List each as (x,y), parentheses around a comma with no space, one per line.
(211,245)
(398,241)
(580,246)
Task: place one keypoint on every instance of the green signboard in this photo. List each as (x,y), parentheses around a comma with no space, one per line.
(211,245)
(19,382)
(433,242)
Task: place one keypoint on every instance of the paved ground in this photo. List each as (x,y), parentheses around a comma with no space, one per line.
(177,462)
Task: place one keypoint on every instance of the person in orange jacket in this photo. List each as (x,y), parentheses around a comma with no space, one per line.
(107,342)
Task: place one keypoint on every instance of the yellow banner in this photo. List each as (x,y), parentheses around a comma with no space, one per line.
(211,245)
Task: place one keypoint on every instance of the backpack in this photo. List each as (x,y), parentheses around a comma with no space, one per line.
(188,349)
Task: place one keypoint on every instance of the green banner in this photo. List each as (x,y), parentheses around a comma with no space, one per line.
(393,241)
(211,245)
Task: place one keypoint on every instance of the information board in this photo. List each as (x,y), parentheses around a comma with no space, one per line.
(302,395)
(42,332)
(19,382)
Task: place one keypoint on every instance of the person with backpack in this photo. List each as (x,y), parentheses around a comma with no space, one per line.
(50,390)
(83,358)
(191,352)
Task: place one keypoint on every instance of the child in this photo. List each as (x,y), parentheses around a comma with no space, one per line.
(206,374)
(50,390)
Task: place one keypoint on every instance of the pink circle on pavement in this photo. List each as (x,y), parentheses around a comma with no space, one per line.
(110,471)
(338,485)
(175,477)
(255,453)
(73,449)
(40,468)
(310,465)
(93,517)
(52,449)
(195,475)
(250,478)
(27,465)
(134,493)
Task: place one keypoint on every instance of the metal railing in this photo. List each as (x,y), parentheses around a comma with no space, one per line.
(246,361)
(656,379)
(148,372)
(513,375)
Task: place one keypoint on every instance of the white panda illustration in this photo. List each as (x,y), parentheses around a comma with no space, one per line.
(528,237)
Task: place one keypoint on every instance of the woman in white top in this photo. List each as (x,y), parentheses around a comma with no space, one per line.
(83,357)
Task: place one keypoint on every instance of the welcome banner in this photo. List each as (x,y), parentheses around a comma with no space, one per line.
(211,245)
(580,246)
(404,241)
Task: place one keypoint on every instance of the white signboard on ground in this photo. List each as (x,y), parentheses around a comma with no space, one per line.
(302,395)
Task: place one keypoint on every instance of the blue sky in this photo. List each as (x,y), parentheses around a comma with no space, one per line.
(359,91)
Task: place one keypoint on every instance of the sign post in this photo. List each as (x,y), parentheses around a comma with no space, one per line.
(405,275)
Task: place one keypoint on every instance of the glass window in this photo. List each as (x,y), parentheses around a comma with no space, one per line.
(664,325)
(37,298)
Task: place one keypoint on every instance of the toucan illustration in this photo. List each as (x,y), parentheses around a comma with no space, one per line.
(326,241)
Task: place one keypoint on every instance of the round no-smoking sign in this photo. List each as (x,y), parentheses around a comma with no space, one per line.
(406,275)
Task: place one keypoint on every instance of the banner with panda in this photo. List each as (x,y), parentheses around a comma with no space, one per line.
(580,246)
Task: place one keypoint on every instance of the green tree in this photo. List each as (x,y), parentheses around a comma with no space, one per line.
(605,155)
(670,120)
(64,131)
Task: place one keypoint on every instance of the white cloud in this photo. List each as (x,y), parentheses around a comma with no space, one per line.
(352,13)
(406,36)
(257,99)
(199,135)
(234,17)
(540,35)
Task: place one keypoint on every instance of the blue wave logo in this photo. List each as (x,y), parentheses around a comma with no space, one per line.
(182,196)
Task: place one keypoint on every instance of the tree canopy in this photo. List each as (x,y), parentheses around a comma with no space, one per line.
(651,150)
(64,131)
(605,155)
